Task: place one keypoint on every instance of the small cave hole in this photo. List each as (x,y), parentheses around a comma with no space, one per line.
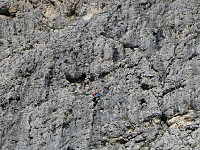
(3,106)
(66,61)
(102,33)
(77,78)
(70,111)
(119,6)
(142,101)
(15,141)
(164,118)
(101,109)
(154,33)
(55,109)
(145,86)
(139,77)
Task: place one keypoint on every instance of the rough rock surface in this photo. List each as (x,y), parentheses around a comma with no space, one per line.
(141,55)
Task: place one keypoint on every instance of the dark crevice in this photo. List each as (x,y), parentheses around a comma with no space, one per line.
(55,109)
(167,70)
(70,148)
(93,117)
(103,33)
(115,55)
(82,77)
(14,99)
(65,125)
(121,141)
(70,111)
(76,78)
(3,106)
(144,3)
(130,46)
(158,36)
(192,56)
(142,101)
(69,78)
(168,90)
(52,3)
(71,12)
(164,119)
(139,77)
(103,5)
(119,7)
(5,12)
(152,67)
(66,61)
(145,86)
(192,128)
(172,89)
(91,78)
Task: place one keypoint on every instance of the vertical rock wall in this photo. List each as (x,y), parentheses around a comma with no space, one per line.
(141,56)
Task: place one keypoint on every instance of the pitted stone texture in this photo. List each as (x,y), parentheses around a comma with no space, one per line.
(141,56)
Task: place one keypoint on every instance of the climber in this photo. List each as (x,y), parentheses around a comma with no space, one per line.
(96,97)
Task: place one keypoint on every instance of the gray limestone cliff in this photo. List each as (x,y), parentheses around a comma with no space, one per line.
(142,56)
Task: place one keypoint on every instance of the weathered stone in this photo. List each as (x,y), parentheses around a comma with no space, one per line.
(141,56)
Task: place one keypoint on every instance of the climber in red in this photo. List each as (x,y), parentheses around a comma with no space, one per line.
(96,97)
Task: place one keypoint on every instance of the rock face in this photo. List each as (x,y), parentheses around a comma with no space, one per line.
(142,56)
